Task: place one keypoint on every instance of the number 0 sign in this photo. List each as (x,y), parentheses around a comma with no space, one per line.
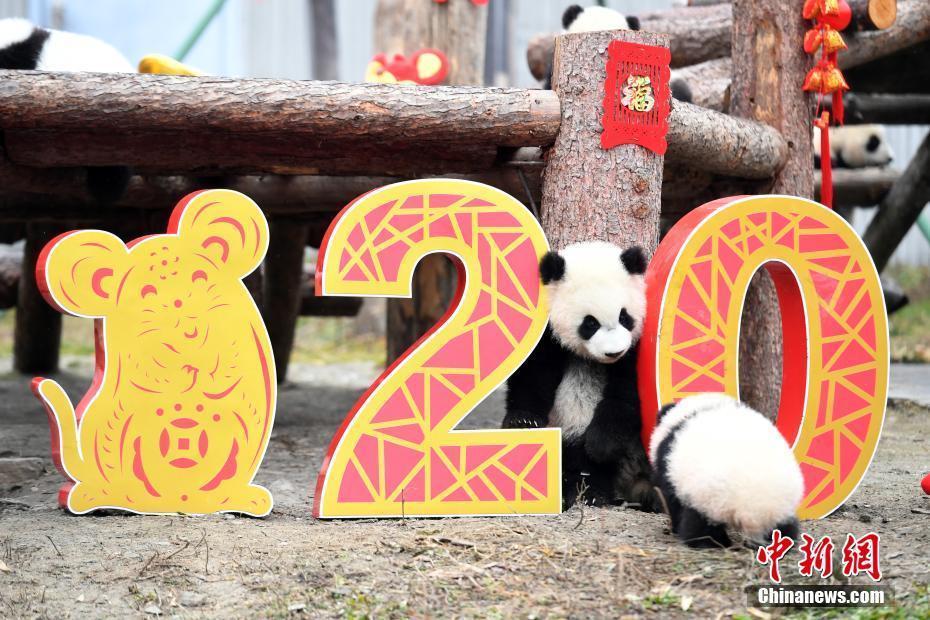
(835,330)
(397,452)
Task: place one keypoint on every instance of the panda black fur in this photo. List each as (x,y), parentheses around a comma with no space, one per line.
(24,46)
(596,18)
(582,375)
(856,146)
(721,465)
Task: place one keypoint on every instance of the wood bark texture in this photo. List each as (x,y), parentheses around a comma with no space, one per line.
(459,29)
(901,207)
(588,192)
(37,332)
(766,87)
(323,111)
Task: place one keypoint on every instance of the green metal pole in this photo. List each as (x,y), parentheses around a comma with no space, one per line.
(194,36)
(923,223)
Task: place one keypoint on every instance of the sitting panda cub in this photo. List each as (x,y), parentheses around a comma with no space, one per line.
(581,376)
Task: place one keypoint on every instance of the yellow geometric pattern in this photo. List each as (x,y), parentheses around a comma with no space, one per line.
(397,452)
(834,324)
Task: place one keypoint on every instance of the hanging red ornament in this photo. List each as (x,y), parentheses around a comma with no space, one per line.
(829,17)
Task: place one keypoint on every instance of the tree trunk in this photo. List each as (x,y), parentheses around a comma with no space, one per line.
(283,272)
(37,336)
(766,87)
(323,39)
(590,193)
(458,29)
(901,208)
(886,109)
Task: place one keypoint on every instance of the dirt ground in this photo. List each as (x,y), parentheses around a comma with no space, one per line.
(584,563)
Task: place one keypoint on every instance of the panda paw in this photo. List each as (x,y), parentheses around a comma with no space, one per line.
(519,419)
(602,448)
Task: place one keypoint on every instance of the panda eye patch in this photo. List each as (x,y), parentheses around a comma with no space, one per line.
(588,327)
(626,321)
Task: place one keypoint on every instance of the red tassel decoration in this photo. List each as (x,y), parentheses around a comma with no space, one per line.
(826,163)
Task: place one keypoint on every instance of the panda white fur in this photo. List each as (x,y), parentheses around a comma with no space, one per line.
(582,375)
(596,18)
(856,146)
(721,465)
(24,46)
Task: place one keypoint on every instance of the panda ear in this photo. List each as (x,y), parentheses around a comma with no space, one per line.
(873,143)
(551,267)
(570,15)
(633,22)
(634,260)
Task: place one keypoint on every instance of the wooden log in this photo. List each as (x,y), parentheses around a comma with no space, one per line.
(900,208)
(886,109)
(590,193)
(326,112)
(283,272)
(697,34)
(766,33)
(459,29)
(37,333)
(911,28)
(874,14)
(864,187)
(724,144)
(710,83)
(905,72)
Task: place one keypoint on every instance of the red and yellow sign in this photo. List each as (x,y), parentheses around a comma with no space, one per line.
(834,326)
(182,403)
(397,453)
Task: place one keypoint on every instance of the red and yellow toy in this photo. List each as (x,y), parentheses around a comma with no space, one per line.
(183,398)
(427,67)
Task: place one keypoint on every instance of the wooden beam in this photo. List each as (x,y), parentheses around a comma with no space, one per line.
(863,187)
(588,192)
(886,109)
(282,275)
(874,14)
(54,138)
(323,112)
(900,208)
(37,333)
(766,33)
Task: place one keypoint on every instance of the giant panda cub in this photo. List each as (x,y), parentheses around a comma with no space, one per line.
(856,146)
(720,465)
(596,18)
(582,375)
(24,46)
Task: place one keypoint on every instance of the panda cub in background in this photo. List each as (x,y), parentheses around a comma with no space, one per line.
(596,18)
(856,146)
(582,375)
(719,465)
(24,46)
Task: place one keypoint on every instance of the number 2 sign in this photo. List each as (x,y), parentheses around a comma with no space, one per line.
(397,453)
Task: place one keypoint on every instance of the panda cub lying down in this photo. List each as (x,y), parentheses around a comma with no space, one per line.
(720,465)
(582,375)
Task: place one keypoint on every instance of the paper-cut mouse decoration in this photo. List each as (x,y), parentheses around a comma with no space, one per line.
(182,403)
(427,67)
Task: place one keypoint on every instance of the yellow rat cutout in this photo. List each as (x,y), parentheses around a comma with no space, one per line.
(182,403)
